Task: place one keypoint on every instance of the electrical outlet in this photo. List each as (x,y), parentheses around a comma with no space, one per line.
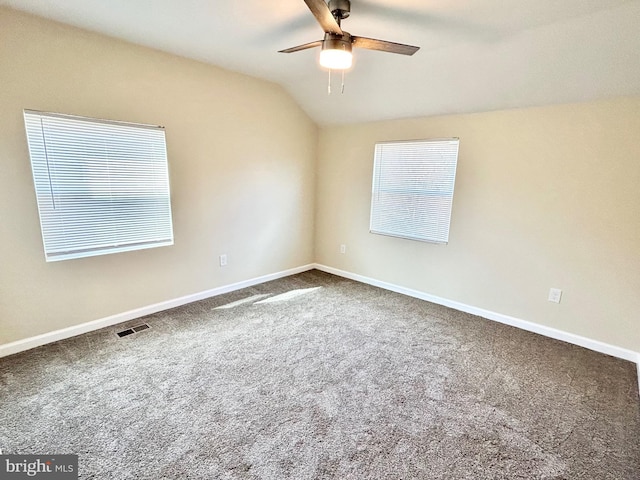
(343,248)
(555,294)
(223,260)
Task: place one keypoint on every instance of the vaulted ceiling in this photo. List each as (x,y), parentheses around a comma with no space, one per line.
(476,55)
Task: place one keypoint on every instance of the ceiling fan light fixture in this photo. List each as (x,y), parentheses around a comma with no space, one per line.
(336,51)
(336,59)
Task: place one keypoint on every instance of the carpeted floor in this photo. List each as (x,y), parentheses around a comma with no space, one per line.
(318,377)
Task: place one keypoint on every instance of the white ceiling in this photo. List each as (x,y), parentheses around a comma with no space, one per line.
(476,55)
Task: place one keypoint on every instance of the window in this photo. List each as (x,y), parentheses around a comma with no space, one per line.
(102,186)
(413,189)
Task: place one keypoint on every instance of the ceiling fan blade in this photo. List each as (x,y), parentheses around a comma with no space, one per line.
(324,16)
(383,45)
(317,43)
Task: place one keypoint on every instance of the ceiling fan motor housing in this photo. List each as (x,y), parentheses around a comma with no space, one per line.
(333,41)
(340,8)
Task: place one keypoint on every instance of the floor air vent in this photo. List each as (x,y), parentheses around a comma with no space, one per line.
(132,330)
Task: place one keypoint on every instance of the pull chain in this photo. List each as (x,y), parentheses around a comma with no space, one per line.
(329,84)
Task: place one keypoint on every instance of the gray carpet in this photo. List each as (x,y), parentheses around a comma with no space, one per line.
(317,377)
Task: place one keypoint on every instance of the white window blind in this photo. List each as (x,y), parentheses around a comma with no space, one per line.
(102,186)
(413,189)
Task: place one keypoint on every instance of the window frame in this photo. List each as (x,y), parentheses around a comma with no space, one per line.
(430,207)
(102,186)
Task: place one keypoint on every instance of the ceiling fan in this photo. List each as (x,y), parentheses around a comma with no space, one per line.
(337,44)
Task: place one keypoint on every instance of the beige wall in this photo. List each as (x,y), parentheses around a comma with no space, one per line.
(242,170)
(545,197)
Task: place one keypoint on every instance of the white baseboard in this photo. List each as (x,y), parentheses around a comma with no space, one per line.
(638,368)
(32,342)
(595,345)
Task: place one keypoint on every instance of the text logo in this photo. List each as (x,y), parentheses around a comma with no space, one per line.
(49,467)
